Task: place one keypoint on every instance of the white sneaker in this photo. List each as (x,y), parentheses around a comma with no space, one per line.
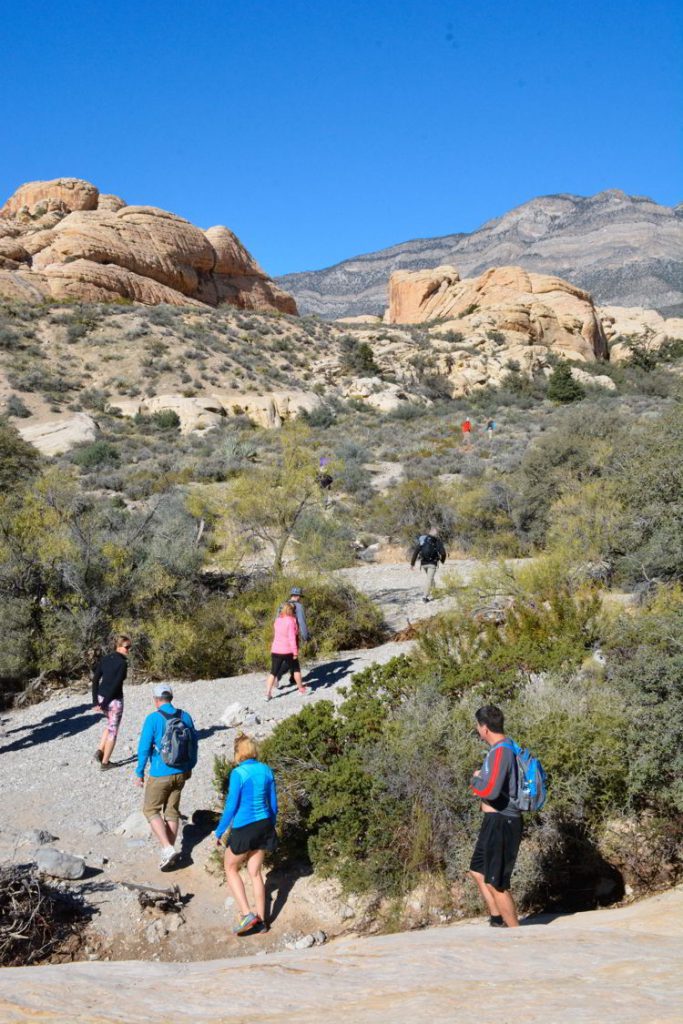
(168,859)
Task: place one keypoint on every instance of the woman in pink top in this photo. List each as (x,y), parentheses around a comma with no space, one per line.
(284,653)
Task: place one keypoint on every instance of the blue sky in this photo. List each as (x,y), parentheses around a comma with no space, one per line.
(318,131)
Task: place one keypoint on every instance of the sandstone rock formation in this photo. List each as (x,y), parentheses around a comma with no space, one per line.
(206,411)
(628,325)
(63,240)
(587,967)
(381,394)
(57,434)
(538,309)
(625,250)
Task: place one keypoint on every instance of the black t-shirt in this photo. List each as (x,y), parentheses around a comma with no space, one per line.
(108,677)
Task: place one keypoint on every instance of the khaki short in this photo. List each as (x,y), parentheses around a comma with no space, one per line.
(162,796)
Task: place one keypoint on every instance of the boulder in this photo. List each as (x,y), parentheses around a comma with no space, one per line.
(234,715)
(625,326)
(73,243)
(58,864)
(63,194)
(598,380)
(544,310)
(56,435)
(135,826)
(380,394)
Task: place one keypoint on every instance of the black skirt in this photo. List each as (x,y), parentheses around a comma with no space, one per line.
(258,835)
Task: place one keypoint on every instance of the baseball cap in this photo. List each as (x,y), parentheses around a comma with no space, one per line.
(163,690)
(296,592)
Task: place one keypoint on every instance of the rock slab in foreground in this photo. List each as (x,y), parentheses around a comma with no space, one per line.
(594,967)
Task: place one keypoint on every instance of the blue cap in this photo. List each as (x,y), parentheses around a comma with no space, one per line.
(295,592)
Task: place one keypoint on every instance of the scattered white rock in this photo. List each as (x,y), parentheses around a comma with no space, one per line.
(58,864)
(156,930)
(319,937)
(174,922)
(36,837)
(229,903)
(234,715)
(135,826)
(95,828)
(305,942)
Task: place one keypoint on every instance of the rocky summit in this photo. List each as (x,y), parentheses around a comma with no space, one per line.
(63,239)
(625,250)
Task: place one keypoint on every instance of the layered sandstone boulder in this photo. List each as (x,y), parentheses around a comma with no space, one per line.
(61,239)
(203,412)
(533,309)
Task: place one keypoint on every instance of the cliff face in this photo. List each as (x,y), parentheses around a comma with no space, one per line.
(625,250)
(62,239)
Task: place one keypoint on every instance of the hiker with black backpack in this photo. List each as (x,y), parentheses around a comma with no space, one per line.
(509,782)
(430,551)
(169,742)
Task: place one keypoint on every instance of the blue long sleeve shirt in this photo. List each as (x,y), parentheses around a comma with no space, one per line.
(149,745)
(251,796)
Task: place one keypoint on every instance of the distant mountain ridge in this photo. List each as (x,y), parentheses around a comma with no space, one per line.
(625,250)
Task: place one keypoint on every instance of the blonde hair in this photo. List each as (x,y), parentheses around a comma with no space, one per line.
(245,748)
(288,608)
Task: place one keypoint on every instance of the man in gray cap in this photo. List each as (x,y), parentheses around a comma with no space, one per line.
(169,742)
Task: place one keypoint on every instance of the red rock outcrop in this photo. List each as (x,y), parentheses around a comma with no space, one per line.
(62,239)
(543,310)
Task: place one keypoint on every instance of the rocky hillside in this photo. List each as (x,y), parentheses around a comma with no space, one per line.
(625,250)
(63,239)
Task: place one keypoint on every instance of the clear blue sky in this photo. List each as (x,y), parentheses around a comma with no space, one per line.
(320,130)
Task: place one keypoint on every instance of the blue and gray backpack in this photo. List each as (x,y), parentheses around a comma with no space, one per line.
(179,741)
(531,782)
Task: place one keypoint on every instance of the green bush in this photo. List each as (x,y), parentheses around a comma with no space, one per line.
(19,460)
(562,387)
(99,453)
(166,419)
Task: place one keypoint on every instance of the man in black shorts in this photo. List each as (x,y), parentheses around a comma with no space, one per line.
(495,852)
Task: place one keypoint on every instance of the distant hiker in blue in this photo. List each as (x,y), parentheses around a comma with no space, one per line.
(251,810)
(169,742)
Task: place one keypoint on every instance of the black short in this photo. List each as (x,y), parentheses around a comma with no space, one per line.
(495,852)
(281,663)
(259,835)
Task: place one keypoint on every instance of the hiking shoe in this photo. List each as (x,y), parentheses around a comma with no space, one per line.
(496,921)
(168,860)
(106,766)
(247,924)
(97,756)
(426,600)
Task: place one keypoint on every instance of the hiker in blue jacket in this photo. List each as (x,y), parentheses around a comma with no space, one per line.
(250,813)
(169,742)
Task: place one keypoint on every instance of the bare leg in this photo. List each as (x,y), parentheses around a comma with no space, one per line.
(108,748)
(233,863)
(487,893)
(271,683)
(254,865)
(299,682)
(162,832)
(506,906)
(172,829)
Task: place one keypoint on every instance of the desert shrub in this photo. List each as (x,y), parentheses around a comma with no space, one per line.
(99,453)
(357,357)
(324,542)
(166,419)
(562,387)
(15,407)
(321,417)
(410,508)
(19,460)
(492,651)
(645,665)
(484,523)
